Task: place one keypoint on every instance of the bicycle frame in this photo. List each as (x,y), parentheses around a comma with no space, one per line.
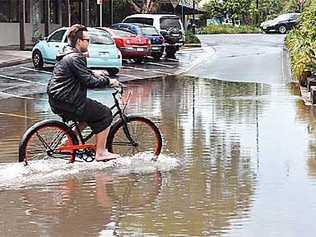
(119,112)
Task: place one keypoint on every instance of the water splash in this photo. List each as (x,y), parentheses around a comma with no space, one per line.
(16,175)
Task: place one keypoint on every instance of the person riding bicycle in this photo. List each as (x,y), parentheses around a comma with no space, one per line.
(67,90)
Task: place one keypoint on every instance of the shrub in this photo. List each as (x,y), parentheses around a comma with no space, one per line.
(301,43)
(229,29)
(190,38)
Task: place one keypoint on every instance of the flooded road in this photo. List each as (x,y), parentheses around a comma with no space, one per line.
(238,159)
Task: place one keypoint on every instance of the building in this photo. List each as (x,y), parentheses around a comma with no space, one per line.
(42,17)
(23,22)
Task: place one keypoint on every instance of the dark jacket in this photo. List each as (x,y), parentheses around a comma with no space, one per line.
(70,80)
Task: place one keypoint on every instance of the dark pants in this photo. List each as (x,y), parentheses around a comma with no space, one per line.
(95,114)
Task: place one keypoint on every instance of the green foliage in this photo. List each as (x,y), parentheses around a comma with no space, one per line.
(301,44)
(214,9)
(229,29)
(237,9)
(190,38)
(246,10)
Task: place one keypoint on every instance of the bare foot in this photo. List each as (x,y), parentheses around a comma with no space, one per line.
(106,156)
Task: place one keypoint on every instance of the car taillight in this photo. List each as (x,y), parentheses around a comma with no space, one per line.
(119,42)
(162,39)
(148,41)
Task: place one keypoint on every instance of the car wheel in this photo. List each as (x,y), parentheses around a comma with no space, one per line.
(37,59)
(113,71)
(282,29)
(170,52)
(156,56)
(139,60)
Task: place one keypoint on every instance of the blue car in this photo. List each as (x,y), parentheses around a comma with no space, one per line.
(156,39)
(103,52)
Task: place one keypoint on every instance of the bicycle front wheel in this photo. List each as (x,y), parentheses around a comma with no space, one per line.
(144,137)
(44,139)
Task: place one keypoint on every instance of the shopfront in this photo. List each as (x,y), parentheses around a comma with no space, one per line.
(42,17)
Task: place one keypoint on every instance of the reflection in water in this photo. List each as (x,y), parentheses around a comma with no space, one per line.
(307,114)
(210,126)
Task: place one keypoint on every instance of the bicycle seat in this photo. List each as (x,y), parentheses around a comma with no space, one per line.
(67,119)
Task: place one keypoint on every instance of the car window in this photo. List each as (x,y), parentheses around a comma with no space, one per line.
(123,33)
(141,20)
(115,26)
(283,17)
(100,37)
(294,17)
(170,22)
(57,36)
(149,31)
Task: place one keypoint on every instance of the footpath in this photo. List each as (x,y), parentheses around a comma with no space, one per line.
(14,57)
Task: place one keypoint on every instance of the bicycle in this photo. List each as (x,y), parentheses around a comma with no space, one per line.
(128,135)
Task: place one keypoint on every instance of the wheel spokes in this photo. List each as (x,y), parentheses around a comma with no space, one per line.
(44,142)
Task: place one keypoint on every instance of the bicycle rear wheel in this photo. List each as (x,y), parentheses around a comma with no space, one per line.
(43,139)
(144,133)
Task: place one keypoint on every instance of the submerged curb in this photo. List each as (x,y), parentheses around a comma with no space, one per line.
(15,62)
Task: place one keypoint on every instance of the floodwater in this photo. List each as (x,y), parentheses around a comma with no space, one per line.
(238,159)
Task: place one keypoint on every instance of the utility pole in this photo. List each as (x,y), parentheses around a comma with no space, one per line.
(257,14)
(100,3)
(182,14)
(193,20)
(69,12)
(22,24)
(111,12)
(47,16)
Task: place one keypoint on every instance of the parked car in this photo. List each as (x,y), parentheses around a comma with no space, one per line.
(281,24)
(102,50)
(169,26)
(132,46)
(156,39)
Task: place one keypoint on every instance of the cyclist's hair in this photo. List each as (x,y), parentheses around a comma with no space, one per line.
(74,33)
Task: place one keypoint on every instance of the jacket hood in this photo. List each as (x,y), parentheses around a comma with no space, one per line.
(65,51)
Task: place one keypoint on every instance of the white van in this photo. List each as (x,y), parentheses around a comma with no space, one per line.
(169,26)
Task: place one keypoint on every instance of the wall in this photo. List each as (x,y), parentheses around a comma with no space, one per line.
(10,33)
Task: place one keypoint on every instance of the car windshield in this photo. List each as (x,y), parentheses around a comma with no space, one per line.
(149,31)
(123,33)
(100,37)
(140,20)
(286,17)
(169,22)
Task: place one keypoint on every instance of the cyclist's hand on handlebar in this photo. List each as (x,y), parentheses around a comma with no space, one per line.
(99,73)
(114,83)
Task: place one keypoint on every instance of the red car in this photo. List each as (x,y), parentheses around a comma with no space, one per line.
(131,46)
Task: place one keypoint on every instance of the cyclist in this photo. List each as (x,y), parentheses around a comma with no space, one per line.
(67,90)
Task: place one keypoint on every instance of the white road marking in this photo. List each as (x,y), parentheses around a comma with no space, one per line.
(36,70)
(195,63)
(21,97)
(172,60)
(16,115)
(136,68)
(130,76)
(162,72)
(159,64)
(20,79)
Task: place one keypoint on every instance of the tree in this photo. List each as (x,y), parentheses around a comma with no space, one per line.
(145,6)
(214,9)
(237,9)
